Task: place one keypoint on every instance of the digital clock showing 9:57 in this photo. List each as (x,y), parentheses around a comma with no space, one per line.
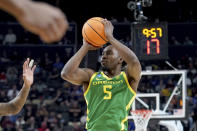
(150,40)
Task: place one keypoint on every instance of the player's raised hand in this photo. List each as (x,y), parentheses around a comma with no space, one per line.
(44,20)
(28,72)
(109,28)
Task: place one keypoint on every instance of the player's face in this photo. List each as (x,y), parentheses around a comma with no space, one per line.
(110,58)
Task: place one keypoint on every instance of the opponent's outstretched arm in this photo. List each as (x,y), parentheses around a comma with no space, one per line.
(14,106)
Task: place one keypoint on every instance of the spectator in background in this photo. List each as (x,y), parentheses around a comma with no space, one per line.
(40,86)
(175,41)
(4,57)
(20,122)
(125,20)
(187,41)
(194,81)
(191,68)
(46,62)
(160,86)
(34,93)
(68,53)
(13,92)
(39,69)
(74,112)
(113,20)
(11,74)
(10,38)
(6,124)
(58,64)
(188,79)
(3,96)
(52,119)
(30,123)
(3,78)
(54,75)
(83,119)
(65,41)
(44,127)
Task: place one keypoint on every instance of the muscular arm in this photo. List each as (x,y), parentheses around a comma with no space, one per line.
(133,69)
(71,71)
(13,107)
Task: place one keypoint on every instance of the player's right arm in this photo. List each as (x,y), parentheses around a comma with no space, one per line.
(71,71)
(37,17)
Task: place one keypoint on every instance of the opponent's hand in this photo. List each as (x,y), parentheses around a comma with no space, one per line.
(28,73)
(44,20)
(109,28)
(89,46)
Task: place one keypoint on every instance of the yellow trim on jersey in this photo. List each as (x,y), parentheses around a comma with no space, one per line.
(108,78)
(90,83)
(130,102)
(132,91)
(85,93)
(87,111)
(87,119)
(86,102)
(122,123)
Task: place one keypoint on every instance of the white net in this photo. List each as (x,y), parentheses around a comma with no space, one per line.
(141,118)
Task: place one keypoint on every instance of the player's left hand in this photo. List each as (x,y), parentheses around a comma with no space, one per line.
(89,46)
(109,28)
(28,73)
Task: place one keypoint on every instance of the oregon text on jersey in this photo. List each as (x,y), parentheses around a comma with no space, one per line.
(107,82)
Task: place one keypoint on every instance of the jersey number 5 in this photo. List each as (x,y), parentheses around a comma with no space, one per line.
(108,93)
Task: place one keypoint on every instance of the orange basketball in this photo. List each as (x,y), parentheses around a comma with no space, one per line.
(93,32)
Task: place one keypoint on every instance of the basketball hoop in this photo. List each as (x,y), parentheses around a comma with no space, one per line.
(141,119)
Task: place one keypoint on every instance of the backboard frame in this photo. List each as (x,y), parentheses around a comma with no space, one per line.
(160,113)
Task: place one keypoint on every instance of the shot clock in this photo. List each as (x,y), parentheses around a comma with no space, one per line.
(150,40)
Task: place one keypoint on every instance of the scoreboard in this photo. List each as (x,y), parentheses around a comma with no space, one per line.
(150,40)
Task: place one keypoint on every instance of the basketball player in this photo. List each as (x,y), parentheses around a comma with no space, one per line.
(37,17)
(14,106)
(109,93)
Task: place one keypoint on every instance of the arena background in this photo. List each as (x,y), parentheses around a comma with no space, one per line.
(56,105)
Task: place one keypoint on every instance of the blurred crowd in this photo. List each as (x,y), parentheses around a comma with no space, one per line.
(14,34)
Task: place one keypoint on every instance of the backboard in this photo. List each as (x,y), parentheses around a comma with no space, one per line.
(163,92)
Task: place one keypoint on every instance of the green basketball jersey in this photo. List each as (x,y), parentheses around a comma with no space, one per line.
(108,102)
